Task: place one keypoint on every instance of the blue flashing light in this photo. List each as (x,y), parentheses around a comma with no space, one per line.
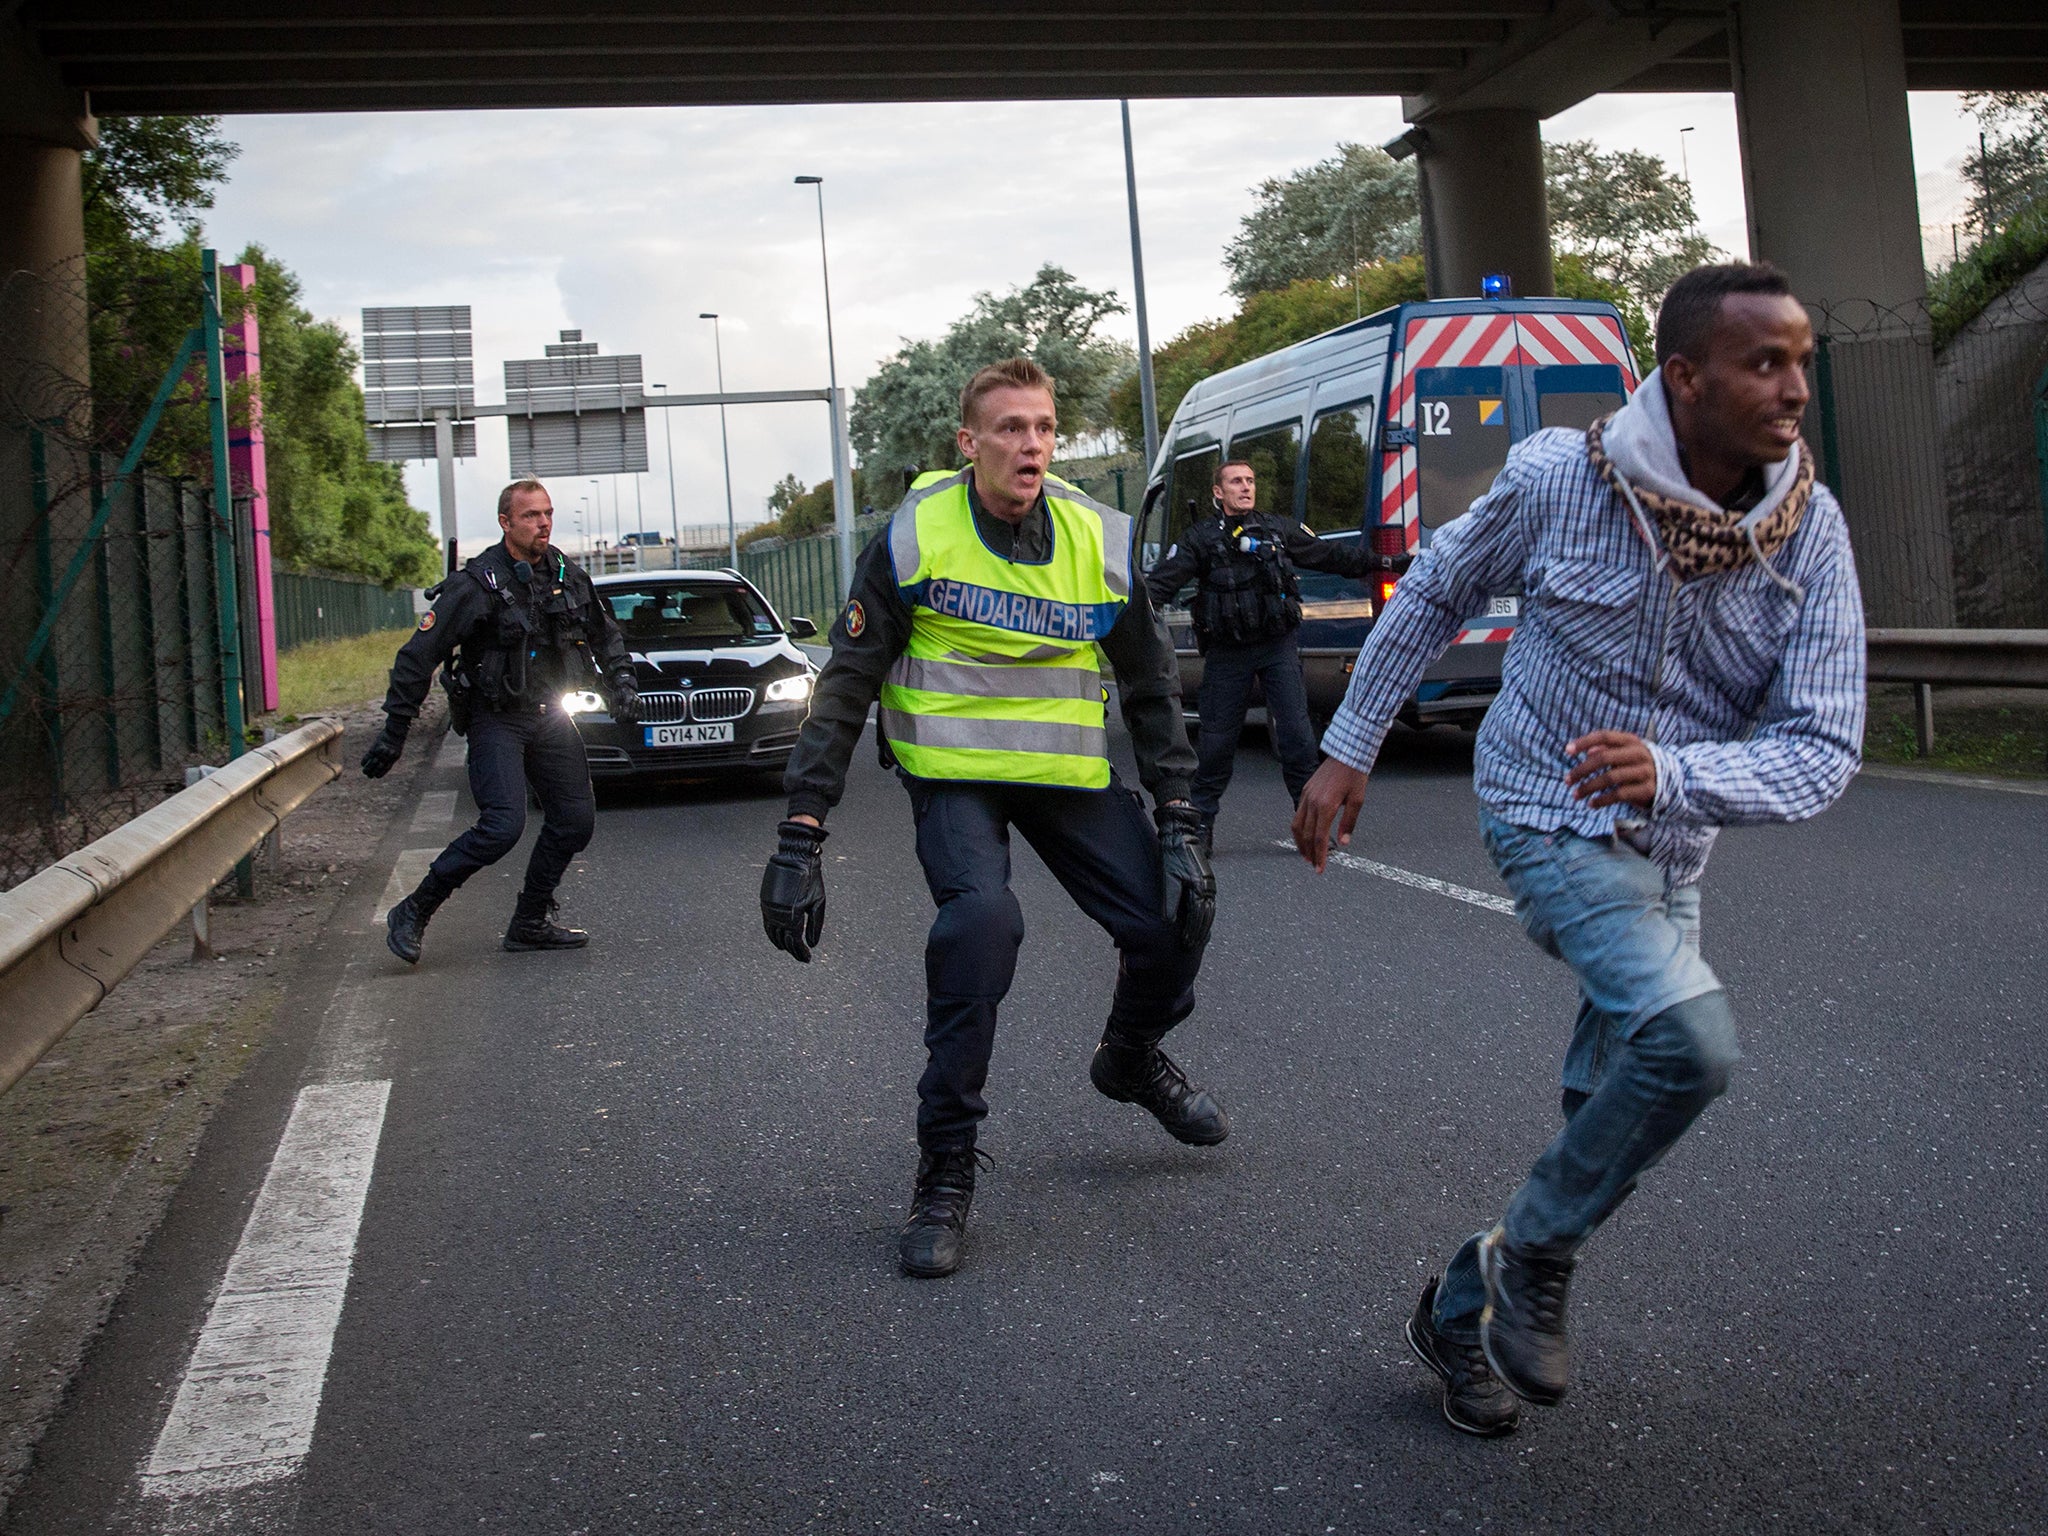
(1497,285)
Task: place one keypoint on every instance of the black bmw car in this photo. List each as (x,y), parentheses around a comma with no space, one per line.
(723,687)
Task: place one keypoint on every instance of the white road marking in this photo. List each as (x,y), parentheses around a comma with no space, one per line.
(437,809)
(1408,877)
(408,872)
(454,752)
(245,1411)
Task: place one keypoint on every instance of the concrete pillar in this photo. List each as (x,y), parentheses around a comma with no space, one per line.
(1827,165)
(1483,206)
(43,332)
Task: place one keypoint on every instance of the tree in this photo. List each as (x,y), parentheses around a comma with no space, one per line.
(145,187)
(1624,215)
(788,491)
(331,507)
(1356,207)
(909,411)
(2009,172)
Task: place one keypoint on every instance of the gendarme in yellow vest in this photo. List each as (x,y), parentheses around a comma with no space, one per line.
(1001,680)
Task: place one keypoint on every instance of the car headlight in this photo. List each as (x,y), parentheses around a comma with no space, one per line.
(786,689)
(581,701)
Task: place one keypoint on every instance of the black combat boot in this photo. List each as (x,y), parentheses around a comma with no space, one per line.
(1474,1399)
(932,1237)
(532,927)
(406,923)
(1138,1072)
(1522,1328)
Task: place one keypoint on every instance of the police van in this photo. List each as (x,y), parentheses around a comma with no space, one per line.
(1385,430)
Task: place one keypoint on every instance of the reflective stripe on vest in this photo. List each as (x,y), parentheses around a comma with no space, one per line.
(1001,677)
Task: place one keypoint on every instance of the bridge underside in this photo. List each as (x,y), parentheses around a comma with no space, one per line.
(147,56)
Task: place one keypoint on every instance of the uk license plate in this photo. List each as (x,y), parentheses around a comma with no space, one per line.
(704,735)
(1504,608)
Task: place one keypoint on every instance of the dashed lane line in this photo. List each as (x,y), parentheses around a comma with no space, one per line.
(454,752)
(1408,877)
(245,1411)
(436,811)
(406,873)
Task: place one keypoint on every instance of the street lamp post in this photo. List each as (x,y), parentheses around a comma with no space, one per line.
(668,443)
(1148,397)
(732,537)
(597,521)
(842,469)
(1684,161)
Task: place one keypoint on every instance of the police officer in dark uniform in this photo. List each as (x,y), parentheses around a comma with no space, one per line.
(980,621)
(1246,610)
(529,628)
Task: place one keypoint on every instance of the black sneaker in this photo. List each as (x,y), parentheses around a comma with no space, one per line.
(1474,1400)
(1522,1328)
(1146,1076)
(933,1237)
(533,927)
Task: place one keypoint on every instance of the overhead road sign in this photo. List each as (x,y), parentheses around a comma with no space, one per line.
(575,413)
(417,363)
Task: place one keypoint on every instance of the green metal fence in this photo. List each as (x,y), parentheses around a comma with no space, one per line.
(801,576)
(311,607)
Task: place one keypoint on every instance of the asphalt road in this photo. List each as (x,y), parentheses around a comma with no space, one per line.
(627,1259)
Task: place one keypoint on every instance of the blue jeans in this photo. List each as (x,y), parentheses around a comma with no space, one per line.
(1653,1045)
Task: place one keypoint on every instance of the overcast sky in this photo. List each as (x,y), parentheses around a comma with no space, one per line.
(628,224)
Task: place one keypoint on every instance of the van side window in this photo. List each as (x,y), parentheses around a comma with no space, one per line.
(1577,395)
(1274,454)
(1337,449)
(1191,493)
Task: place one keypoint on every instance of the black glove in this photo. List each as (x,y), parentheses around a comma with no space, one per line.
(626,701)
(1189,886)
(793,889)
(385,749)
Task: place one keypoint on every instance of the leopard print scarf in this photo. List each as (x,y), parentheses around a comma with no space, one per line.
(1703,542)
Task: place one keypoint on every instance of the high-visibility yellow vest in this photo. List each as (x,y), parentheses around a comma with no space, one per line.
(1001,680)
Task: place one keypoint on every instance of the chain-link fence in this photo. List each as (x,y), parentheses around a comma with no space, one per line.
(1939,454)
(114,666)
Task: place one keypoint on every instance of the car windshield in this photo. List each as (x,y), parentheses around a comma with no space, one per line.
(693,614)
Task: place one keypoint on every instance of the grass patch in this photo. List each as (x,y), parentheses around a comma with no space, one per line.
(2002,732)
(336,674)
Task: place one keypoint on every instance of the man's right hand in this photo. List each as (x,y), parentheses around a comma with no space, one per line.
(793,888)
(384,751)
(1333,797)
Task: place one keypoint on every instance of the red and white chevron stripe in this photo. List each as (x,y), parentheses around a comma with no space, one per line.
(1482,636)
(1548,339)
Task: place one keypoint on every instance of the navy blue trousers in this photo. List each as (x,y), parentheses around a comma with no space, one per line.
(507,751)
(1227,673)
(1102,847)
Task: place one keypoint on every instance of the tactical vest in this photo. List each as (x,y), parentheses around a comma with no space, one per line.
(533,646)
(1001,680)
(1249,593)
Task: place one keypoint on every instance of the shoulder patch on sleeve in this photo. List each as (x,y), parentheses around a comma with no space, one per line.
(856,619)
(427,619)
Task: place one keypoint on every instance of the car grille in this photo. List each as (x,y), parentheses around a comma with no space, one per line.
(666,708)
(720,703)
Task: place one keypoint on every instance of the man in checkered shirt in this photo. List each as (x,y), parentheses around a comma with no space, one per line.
(1690,657)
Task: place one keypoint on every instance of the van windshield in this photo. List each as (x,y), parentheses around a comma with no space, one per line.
(1461,438)
(694,615)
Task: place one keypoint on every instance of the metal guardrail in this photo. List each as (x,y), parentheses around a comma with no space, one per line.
(1983,658)
(1989,658)
(70,934)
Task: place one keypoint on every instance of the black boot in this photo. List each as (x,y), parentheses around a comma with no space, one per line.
(532,927)
(406,924)
(1139,1072)
(1474,1399)
(932,1237)
(1522,1328)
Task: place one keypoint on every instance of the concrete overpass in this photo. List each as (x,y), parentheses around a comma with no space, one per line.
(1820,89)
